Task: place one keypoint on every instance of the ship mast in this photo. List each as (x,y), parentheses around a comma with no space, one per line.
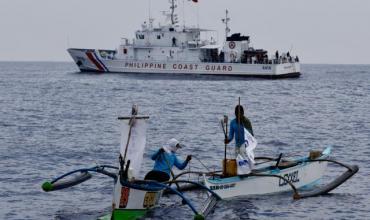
(226,22)
(173,15)
(150,19)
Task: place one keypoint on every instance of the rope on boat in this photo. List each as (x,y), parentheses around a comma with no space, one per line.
(202,163)
(200,173)
(187,187)
(150,185)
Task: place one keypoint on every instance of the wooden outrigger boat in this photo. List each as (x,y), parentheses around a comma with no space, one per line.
(277,175)
(132,198)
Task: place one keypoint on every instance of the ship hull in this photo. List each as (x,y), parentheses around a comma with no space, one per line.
(89,60)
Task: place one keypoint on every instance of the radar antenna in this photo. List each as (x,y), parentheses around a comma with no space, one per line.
(171,16)
(174,18)
(226,21)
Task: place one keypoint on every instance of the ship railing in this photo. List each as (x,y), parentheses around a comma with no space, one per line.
(125,41)
(106,54)
(268,61)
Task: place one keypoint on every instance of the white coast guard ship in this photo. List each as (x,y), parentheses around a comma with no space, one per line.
(177,49)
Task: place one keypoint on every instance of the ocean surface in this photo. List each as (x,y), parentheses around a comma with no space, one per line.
(54,120)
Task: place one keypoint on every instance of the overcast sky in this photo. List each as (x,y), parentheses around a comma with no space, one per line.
(319,31)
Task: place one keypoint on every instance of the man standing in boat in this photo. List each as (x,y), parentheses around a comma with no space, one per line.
(165,158)
(237,126)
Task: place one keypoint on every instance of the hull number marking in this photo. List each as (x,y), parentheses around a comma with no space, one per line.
(291,177)
(225,186)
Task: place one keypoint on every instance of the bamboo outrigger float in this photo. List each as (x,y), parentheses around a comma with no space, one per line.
(132,197)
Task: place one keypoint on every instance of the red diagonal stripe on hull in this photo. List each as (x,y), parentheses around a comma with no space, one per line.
(96,63)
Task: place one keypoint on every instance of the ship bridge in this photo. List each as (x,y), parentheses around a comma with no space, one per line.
(165,43)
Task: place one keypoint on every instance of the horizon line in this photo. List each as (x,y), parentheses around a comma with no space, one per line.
(59,61)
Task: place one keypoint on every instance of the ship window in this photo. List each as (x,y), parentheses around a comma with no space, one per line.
(158,37)
(124,51)
(141,36)
(171,29)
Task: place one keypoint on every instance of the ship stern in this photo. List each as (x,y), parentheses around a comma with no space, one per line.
(287,70)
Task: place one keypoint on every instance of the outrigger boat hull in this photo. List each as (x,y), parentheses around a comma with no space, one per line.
(134,203)
(302,174)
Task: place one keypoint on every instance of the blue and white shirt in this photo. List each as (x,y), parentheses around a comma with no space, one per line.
(163,160)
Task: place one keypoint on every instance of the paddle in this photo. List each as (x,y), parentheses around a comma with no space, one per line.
(224,129)
(172,174)
(169,167)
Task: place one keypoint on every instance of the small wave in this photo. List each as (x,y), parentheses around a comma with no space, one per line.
(4,124)
(275,143)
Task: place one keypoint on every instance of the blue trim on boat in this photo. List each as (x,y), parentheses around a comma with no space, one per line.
(310,185)
(327,151)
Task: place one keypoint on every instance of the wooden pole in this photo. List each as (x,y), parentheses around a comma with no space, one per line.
(239,120)
(225,156)
(131,123)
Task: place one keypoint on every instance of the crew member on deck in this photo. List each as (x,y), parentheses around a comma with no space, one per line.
(174,42)
(165,158)
(237,126)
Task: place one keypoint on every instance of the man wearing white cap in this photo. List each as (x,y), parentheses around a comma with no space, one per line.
(165,158)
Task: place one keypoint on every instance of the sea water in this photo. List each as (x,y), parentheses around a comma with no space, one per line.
(54,120)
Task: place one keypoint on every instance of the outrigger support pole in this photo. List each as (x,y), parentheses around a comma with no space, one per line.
(213,173)
(351,170)
(80,178)
(189,187)
(198,185)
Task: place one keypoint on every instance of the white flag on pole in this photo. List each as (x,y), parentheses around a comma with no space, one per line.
(251,144)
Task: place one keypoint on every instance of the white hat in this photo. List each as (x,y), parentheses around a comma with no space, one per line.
(172,145)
